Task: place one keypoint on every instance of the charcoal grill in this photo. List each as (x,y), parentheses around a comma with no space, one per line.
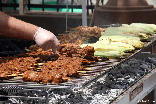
(16,90)
(145,84)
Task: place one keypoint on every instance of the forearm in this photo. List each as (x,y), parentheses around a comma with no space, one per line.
(14,28)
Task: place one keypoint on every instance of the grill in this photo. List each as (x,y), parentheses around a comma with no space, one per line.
(15,90)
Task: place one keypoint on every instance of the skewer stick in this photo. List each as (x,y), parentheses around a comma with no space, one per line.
(67,31)
(18,77)
(61,34)
(87,68)
(66,78)
(69,79)
(82,71)
(40,63)
(84,74)
(88,61)
(12,75)
(72,28)
(31,67)
(27,49)
(38,68)
(20,74)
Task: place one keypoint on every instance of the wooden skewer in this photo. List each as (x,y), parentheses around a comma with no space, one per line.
(67,31)
(72,28)
(40,63)
(82,71)
(69,79)
(20,74)
(87,68)
(66,78)
(31,67)
(61,34)
(18,77)
(84,74)
(12,75)
(27,49)
(88,61)
(50,61)
(100,59)
(38,68)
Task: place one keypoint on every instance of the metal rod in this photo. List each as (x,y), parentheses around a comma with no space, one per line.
(57,7)
(72,4)
(21,7)
(28,4)
(66,15)
(87,8)
(51,6)
(84,13)
(42,5)
(14,4)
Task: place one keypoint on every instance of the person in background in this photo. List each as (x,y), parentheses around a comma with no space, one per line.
(15,28)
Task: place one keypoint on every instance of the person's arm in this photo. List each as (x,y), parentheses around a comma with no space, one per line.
(15,28)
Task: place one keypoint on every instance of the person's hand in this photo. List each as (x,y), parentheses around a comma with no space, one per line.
(47,40)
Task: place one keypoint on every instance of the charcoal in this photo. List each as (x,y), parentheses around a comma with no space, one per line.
(119,75)
(141,73)
(152,60)
(123,71)
(145,66)
(114,72)
(120,79)
(111,78)
(116,86)
(89,98)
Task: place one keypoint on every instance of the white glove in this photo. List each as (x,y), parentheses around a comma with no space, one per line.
(46,40)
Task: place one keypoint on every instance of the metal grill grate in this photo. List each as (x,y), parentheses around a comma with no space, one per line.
(37,92)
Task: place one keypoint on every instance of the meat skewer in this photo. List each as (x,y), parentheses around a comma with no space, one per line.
(68,63)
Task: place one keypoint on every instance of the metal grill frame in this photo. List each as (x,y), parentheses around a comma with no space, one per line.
(17,85)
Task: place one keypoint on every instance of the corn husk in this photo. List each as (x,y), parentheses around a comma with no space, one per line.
(151,26)
(109,54)
(145,28)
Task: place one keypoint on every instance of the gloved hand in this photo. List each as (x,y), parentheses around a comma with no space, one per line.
(46,40)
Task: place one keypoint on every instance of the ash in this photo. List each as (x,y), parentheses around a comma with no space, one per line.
(95,93)
(107,88)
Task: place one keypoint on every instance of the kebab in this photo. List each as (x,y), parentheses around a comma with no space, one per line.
(55,71)
(82,35)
